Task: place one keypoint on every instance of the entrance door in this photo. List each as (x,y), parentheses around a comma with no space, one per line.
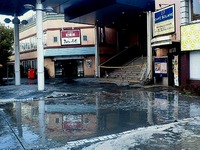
(69,68)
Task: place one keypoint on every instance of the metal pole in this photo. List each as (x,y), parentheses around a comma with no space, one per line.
(149,48)
(16,47)
(97,69)
(40,51)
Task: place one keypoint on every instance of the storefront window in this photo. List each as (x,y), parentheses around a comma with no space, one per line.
(195,10)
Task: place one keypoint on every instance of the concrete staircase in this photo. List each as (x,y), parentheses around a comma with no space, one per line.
(133,71)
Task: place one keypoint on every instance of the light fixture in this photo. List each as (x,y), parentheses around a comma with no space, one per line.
(24,22)
(7,20)
(48,9)
(164,5)
(15,21)
(31,7)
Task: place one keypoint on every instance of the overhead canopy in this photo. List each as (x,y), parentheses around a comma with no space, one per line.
(116,13)
(11,7)
(102,12)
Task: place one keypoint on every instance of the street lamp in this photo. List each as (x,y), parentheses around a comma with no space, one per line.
(40,50)
(16,23)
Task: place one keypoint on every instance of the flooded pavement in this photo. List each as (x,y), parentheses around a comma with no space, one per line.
(87,114)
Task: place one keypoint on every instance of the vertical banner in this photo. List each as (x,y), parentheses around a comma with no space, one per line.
(160,67)
(70,37)
(175,66)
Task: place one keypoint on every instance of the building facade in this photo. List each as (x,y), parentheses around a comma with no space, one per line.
(177,50)
(190,41)
(166,42)
(69,48)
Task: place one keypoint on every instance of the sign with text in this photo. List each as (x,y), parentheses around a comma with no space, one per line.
(70,37)
(160,67)
(164,21)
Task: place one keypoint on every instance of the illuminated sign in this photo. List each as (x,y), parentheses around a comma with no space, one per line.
(190,37)
(70,37)
(164,21)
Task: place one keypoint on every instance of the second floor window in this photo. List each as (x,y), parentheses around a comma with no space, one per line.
(195,10)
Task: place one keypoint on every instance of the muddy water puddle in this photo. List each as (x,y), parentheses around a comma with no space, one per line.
(63,117)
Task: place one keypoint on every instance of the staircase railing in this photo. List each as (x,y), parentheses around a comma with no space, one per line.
(119,59)
(122,57)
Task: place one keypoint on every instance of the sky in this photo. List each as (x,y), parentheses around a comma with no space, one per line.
(25,16)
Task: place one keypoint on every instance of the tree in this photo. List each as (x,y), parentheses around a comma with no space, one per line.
(6,47)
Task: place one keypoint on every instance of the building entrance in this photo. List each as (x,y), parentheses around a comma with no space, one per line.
(69,68)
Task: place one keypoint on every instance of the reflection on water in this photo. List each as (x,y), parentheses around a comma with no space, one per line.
(55,121)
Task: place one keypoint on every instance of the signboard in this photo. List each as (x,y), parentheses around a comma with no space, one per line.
(160,67)
(70,37)
(164,21)
(190,37)
(72,122)
(175,67)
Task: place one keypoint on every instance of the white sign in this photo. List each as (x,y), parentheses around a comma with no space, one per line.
(70,37)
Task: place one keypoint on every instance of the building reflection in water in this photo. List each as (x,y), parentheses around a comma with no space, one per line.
(70,121)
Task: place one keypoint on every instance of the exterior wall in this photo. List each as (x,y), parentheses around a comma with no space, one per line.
(172,48)
(89,32)
(189,58)
(161,52)
(108,47)
(49,64)
(184,11)
(89,71)
(51,123)
(26,55)
(30,55)
(91,126)
(176,36)
(50,38)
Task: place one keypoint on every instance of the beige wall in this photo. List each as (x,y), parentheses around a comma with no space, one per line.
(89,32)
(50,35)
(51,124)
(92,124)
(61,24)
(89,71)
(49,64)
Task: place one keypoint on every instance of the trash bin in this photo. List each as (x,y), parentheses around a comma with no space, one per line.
(31,73)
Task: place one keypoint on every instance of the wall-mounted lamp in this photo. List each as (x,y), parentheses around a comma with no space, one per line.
(164,5)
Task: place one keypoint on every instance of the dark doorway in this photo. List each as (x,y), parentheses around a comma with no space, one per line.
(67,68)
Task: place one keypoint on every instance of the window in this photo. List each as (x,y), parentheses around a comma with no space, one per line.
(84,37)
(57,120)
(55,39)
(195,10)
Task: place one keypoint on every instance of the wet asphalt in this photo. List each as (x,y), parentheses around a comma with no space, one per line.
(84,112)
